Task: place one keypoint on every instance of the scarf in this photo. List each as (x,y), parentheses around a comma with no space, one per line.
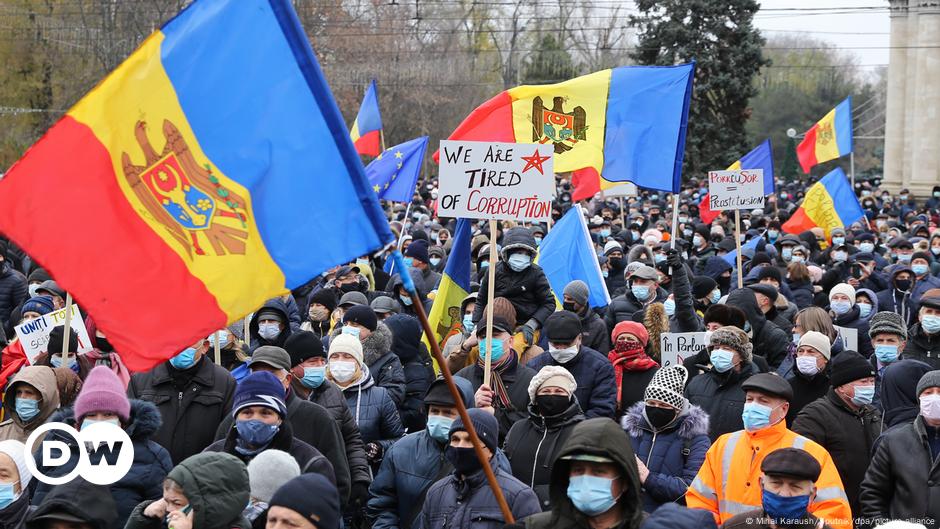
(507,363)
(629,356)
(111,360)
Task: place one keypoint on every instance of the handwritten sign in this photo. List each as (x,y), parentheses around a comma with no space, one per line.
(675,347)
(34,334)
(849,337)
(741,189)
(503,181)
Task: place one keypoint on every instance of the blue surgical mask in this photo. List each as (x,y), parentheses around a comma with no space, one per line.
(268,330)
(538,241)
(868,247)
(406,300)
(468,325)
(722,360)
(698,241)
(786,253)
(408,261)
(784,508)
(313,377)
(27,409)
(935,250)
(7,495)
(519,261)
(772,235)
(919,269)
(185,359)
(838,241)
(439,427)
(223,338)
(886,353)
(641,293)
(686,232)
(350,330)
(434,261)
(591,494)
(864,309)
(605,233)
(256,433)
(796,337)
(56,361)
(670,306)
(606,274)
(840,307)
(863,395)
(716,296)
(659,258)
(905,257)
(797,258)
(930,323)
(839,256)
(756,416)
(497,353)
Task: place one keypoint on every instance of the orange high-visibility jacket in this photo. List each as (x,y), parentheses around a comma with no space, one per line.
(728,482)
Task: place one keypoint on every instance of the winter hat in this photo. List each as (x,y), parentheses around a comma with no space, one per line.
(726,315)
(768,272)
(612,246)
(562,327)
(102,391)
(325,297)
(631,327)
(552,376)
(38,276)
(578,291)
(485,425)
(843,288)
(346,343)
(270,314)
(16,451)
(311,496)
(418,250)
(302,345)
(667,386)
(41,305)
(363,315)
(849,366)
(703,286)
(887,322)
(260,388)
(931,379)
(818,341)
(766,289)
(56,336)
(353,298)
(270,470)
(734,338)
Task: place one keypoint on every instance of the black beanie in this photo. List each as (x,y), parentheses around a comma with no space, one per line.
(363,315)
(325,297)
(849,366)
(302,345)
(703,286)
(313,497)
(56,336)
(38,276)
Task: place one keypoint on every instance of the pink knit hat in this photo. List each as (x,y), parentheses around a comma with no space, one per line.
(102,391)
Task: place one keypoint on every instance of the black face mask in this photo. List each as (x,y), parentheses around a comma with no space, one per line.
(350,287)
(569,306)
(104,345)
(551,405)
(616,263)
(464,460)
(903,284)
(659,418)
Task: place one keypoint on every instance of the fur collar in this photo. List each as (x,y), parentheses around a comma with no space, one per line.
(692,423)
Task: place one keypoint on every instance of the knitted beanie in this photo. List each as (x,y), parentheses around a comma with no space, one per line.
(667,386)
(418,250)
(887,322)
(302,345)
(270,470)
(818,341)
(325,297)
(313,497)
(484,423)
(260,388)
(346,343)
(552,376)
(363,315)
(102,391)
(41,305)
(631,327)
(578,291)
(703,286)
(849,366)
(843,288)
(931,379)
(734,338)
(16,451)
(611,246)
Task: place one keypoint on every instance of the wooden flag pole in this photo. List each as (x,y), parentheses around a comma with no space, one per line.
(737,244)
(67,332)
(245,325)
(490,289)
(218,350)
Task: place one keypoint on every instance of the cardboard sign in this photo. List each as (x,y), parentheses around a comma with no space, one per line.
(623,190)
(34,335)
(849,337)
(502,181)
(741,189)
(675,347)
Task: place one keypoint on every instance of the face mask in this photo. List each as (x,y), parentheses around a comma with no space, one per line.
(863,395)
(405,300)
(903,198)
(698,240)
(434,261)
(930,323)
(313,377)
(351,331)
(439,427)
(641,293)
(784,508)
(722,360)
(935,250)
(185,360)
(796,337)
(104,345)
(483,265)
(756,416)
(903,284)
(56,361)
(464,460)
(519,261)
(33,288)
(683,220)
(659,418)
(551,405)
(839,256)
(7,495)
(936,194)
(591,494)
(497,353)
(670,306)
(88,422)
(268,331)
(930,407)
(786,253)
(841,307)
(919,269)
(409,261)
(905,257)
(605,233)
(686,232)
(468,325)
(538,241)
(807,365)
(864,309)
(838,241)
(716,296)
(342,370)
(563,356)
(223,338)
(868,247)
(256,433)
(886,353)
(350,287)
(773,234)
(866,193)
(318,313)
(636,235)
(27,409)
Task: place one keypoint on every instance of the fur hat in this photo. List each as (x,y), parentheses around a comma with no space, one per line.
(667,386)
(734,338)
(552,376)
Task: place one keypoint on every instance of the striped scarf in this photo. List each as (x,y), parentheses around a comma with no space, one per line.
(507,363)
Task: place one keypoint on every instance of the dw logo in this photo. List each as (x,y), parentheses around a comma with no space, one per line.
(106,457)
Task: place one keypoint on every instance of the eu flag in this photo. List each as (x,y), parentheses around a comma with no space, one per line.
(394,174)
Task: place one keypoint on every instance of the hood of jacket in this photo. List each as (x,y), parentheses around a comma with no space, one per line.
(43,379)
(406,336)
(517,238)
(272,304)
(571,415)
(395,282)
(640,253)
(82,499)
(715,266)
(216,485)
(808,239)
(691,423)
(601,437)
(897,391)
(874,301)
(744,299)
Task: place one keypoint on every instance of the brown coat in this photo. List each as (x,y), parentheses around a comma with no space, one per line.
(43,379)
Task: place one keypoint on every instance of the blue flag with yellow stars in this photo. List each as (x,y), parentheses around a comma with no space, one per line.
(394,174)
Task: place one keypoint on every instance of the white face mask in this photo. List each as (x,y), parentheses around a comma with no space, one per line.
(342,370)
(563,356)
(807,365)
(930,407)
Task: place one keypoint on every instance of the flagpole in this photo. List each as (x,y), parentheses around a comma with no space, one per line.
(852,168)
(675,220)
(490,292)
(67,330)
(737,244)
(401,236)
(382,139)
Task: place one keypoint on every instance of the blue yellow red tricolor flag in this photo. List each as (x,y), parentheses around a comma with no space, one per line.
(625,124)
(445,317)
(213,171)
(366,132)
(567,253)
(761,157)
(394,174)
(829,138)
(829,204)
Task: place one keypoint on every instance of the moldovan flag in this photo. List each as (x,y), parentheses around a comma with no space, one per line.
(366,131)
(762,157)
(829,204)
(210,171)
(567,254)
(627,124)
(445,317)
(829,138)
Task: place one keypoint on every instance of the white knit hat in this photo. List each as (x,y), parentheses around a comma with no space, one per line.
(268,471)
(16,451)
(346,343)
(667,386)
(611,246)
(817,341)
(552,376)
(843,288)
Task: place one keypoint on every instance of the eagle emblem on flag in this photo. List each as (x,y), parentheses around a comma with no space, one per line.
(564,129)
(825,134)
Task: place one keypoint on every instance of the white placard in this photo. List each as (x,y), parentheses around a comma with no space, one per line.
(490,180)
(623,190)
(741,189)
(34,335)
(849,337)
(675,347)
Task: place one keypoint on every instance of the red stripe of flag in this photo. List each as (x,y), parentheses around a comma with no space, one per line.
(806,150)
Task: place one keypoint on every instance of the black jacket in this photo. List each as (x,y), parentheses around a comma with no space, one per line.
(769,340)
(622,308)
(806,390)
(594,333)
(922,347)
(517,385)
(13,516)
(417,368)
(801,293)
(331,397)
(528,291)
(685,319)
(13,292)
(281,307)
(79,498)
(192,403)
(721,396)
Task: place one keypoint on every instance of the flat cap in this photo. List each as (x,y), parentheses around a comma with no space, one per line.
(271,355)
(766,289)
(562,327)
(769,384)
(645,272)
(353,298)
(792,463)
(932,302)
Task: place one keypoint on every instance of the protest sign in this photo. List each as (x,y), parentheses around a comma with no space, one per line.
(849,337)
(490,180)
(34,334)
(675,347)
(740,189)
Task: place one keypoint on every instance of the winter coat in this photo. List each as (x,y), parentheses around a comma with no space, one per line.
(903,479)
(601,437)
(622,308)
(312,424)
(594,332)
(528,291)
(417,369)
(13,292)
(922,347)
(898,401)
(43,379)
(685,318)
(806,390)
(331,397)
(13,516)
(846,434)
(768,339)
(517,386)
(409,310)
(280,306)
(597,389)
(801,293)
(79,498)
(192,403)
(633,386)
(374,411)
(385,367)
(673,455)
(701,362)
(672,516)
(923,284)
(894,300)
(853,320)
(721,396)
(533,445)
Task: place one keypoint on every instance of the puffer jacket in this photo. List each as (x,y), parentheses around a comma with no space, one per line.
(768,339)
(597,388)
(622,308)
(416,367)
(721,396)
(43,379)
(331,397)
(801,293)
(533,445)
(922,347)
(13,292)
(600,437)
(594,332)
(853,320)
(673,455)
(384,365)
(517,386)
(374,411)
(279,305)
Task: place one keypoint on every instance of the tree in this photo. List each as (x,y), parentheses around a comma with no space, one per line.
(720,37)
(550,64)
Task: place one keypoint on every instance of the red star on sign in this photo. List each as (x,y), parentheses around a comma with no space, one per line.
(535,161)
